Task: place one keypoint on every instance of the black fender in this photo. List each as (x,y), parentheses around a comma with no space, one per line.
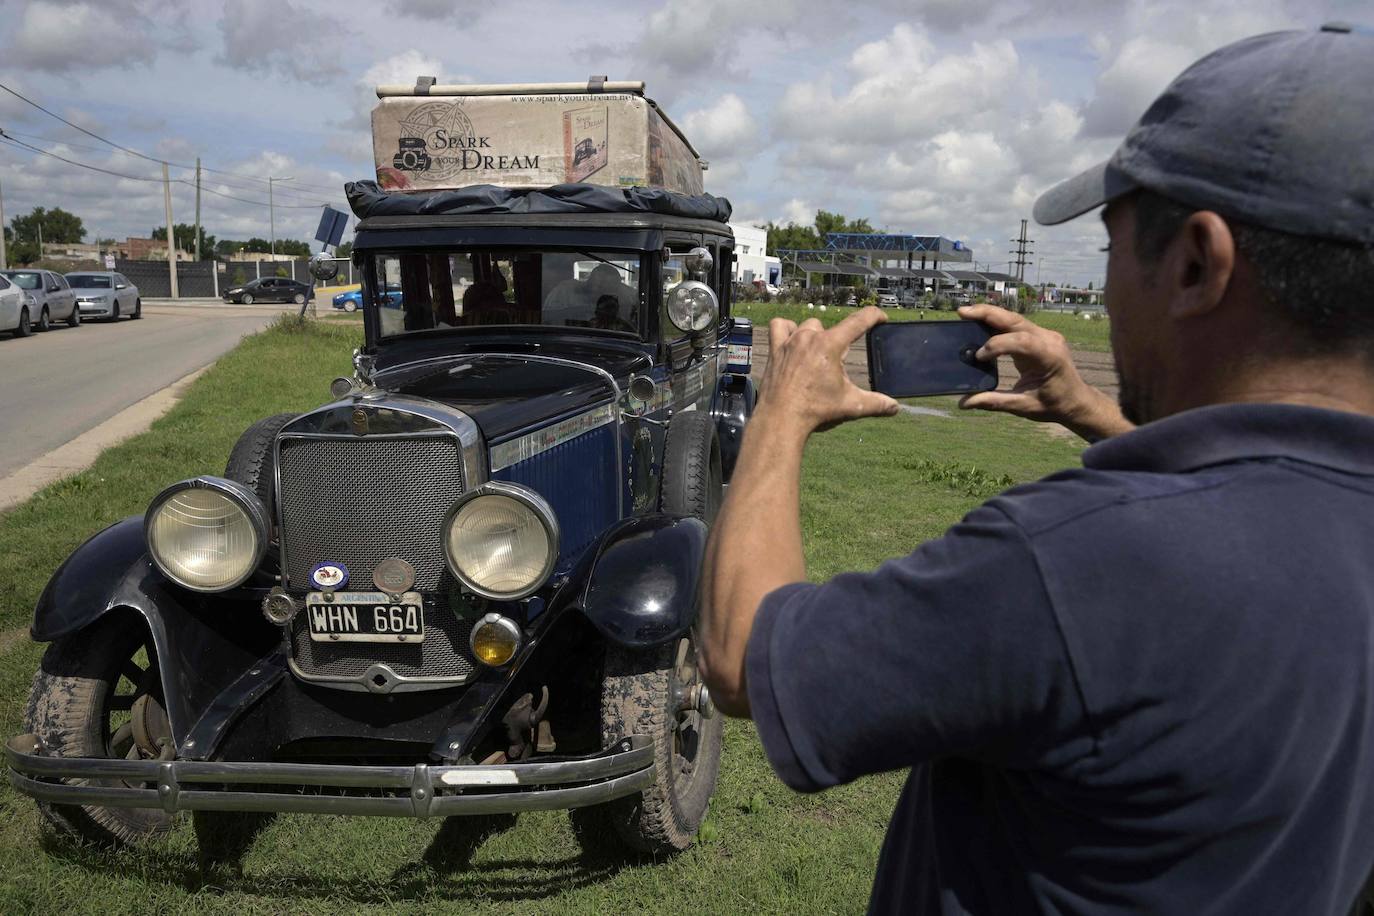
(733,405)
(642,588)
(204,643)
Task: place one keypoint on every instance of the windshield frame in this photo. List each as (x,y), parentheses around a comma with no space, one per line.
(372,283)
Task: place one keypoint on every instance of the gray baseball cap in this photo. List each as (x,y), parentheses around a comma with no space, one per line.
(1275,130)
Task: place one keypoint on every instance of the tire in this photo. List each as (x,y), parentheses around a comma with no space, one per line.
(138,310)
(246,299)
(299,299)
(639,691)
(250,461)
(84,685)
(45,320)
(114,315)
(692,472)
(74,319)
(350,306)
(25,328)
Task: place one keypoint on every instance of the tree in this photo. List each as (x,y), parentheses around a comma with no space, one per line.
(225,247)
(185,235)
(57,225)
(344,251)
(293,247)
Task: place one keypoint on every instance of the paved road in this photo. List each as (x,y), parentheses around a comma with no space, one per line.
(57,385)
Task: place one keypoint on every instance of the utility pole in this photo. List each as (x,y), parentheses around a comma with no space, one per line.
(272,217)
(1021,251)
(4,257)
(171,238)
(40,240)
(197,208)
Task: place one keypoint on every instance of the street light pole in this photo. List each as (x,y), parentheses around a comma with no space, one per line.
(4,256)
(272,216)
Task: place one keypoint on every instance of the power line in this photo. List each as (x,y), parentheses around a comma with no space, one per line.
(132,152)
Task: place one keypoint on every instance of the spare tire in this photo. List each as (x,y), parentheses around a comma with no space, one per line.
(252,462)
(691,467)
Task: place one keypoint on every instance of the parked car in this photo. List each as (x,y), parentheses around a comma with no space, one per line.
(14,314)
(352,300)
(467,583)
(270,289)
(50,298)
(105,294)
(887,300)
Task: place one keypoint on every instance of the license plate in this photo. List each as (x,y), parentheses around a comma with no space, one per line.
(365,617)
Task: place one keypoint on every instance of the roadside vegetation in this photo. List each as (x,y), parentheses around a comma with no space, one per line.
(763,848)
(1087,330)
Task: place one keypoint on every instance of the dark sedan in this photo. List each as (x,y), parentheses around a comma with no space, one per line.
(270,289)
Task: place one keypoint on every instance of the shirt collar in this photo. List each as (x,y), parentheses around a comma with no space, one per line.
(1223,433)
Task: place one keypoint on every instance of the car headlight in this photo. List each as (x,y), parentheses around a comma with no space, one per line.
(692,306)
(495,640)
(207,534)
(501,541)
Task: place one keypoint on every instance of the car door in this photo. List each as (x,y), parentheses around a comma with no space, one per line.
(10,298)
(67,295)
(125,293)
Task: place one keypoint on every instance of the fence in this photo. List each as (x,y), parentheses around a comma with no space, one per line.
(209,279)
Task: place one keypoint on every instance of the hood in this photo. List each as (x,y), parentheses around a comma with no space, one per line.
(511,392)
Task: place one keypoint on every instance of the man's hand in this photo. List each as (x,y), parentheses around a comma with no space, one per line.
(805,380)
(1050,388)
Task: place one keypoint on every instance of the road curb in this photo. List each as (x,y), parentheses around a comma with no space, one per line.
(80,453)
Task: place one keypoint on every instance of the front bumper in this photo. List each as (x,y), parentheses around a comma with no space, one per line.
(422,790)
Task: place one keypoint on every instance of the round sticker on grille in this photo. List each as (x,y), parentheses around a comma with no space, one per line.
(393,576)
(329,576)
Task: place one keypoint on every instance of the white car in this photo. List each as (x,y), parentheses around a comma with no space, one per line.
(51,299)
(14,312)
(105,294)
(887,300)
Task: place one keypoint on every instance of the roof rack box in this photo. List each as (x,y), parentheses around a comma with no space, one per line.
(431,136)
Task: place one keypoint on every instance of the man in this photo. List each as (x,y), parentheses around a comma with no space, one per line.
(1146,685)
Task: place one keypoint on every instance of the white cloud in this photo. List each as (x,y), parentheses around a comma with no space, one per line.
(278,35)
(57,37)
(437,9)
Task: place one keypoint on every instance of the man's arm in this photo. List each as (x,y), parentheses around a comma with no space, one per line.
(755,544)
(1049,389)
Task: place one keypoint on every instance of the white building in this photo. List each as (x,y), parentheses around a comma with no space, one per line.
(752,261)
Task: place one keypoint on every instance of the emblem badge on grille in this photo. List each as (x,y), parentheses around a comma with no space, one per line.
(360,421)
(393,576)
(329,576)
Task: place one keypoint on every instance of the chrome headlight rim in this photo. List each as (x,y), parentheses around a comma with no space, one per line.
(239,494)
(692,322)
(531,500)
(494,619)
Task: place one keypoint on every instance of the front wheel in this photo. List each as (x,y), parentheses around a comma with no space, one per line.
(350,306)
(98,693)
(44,320)
(74,319)
(658,692)
(25,328)
(246,299)
(299,298)
(138,310)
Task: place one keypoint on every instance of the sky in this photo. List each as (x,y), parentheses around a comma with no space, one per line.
(933,117)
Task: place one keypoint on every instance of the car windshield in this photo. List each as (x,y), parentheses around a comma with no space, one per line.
(597,290)
(89,281)
(26,279)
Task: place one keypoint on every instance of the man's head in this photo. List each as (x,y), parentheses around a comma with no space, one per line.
(1241,215)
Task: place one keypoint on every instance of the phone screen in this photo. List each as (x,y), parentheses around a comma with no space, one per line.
(909,359)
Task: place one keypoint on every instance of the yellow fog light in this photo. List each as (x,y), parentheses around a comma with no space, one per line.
(495,640)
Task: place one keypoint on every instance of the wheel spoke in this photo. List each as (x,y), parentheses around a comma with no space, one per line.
(134,673)
(124,733)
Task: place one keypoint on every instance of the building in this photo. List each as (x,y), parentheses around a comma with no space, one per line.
(752,261)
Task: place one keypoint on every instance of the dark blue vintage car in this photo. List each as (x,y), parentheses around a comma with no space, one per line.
(466,584)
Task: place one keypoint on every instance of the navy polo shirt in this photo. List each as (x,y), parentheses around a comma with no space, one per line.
(1145,685)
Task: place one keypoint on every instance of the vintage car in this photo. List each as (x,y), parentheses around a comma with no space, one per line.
(466,584)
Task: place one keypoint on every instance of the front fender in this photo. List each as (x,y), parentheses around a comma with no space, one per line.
(204,643)
(731,409)
(642,587)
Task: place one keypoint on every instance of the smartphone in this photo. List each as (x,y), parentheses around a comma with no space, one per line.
(912,359)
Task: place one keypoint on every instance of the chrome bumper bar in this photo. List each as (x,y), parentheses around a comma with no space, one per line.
(422,790)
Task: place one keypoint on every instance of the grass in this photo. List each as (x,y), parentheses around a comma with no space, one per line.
(1081,333)
(763,848)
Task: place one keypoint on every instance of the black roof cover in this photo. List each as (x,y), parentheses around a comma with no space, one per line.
(368,200)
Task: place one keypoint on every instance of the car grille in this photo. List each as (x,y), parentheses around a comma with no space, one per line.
(442,655)
(358,501)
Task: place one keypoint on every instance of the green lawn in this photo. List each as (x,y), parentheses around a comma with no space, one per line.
(763,849)
(1081,333)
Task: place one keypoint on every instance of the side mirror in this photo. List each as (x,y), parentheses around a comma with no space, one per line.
(699,263)
(323,267)
(121,286)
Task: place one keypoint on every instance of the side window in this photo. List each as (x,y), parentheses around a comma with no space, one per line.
(4,284)
(61,281)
